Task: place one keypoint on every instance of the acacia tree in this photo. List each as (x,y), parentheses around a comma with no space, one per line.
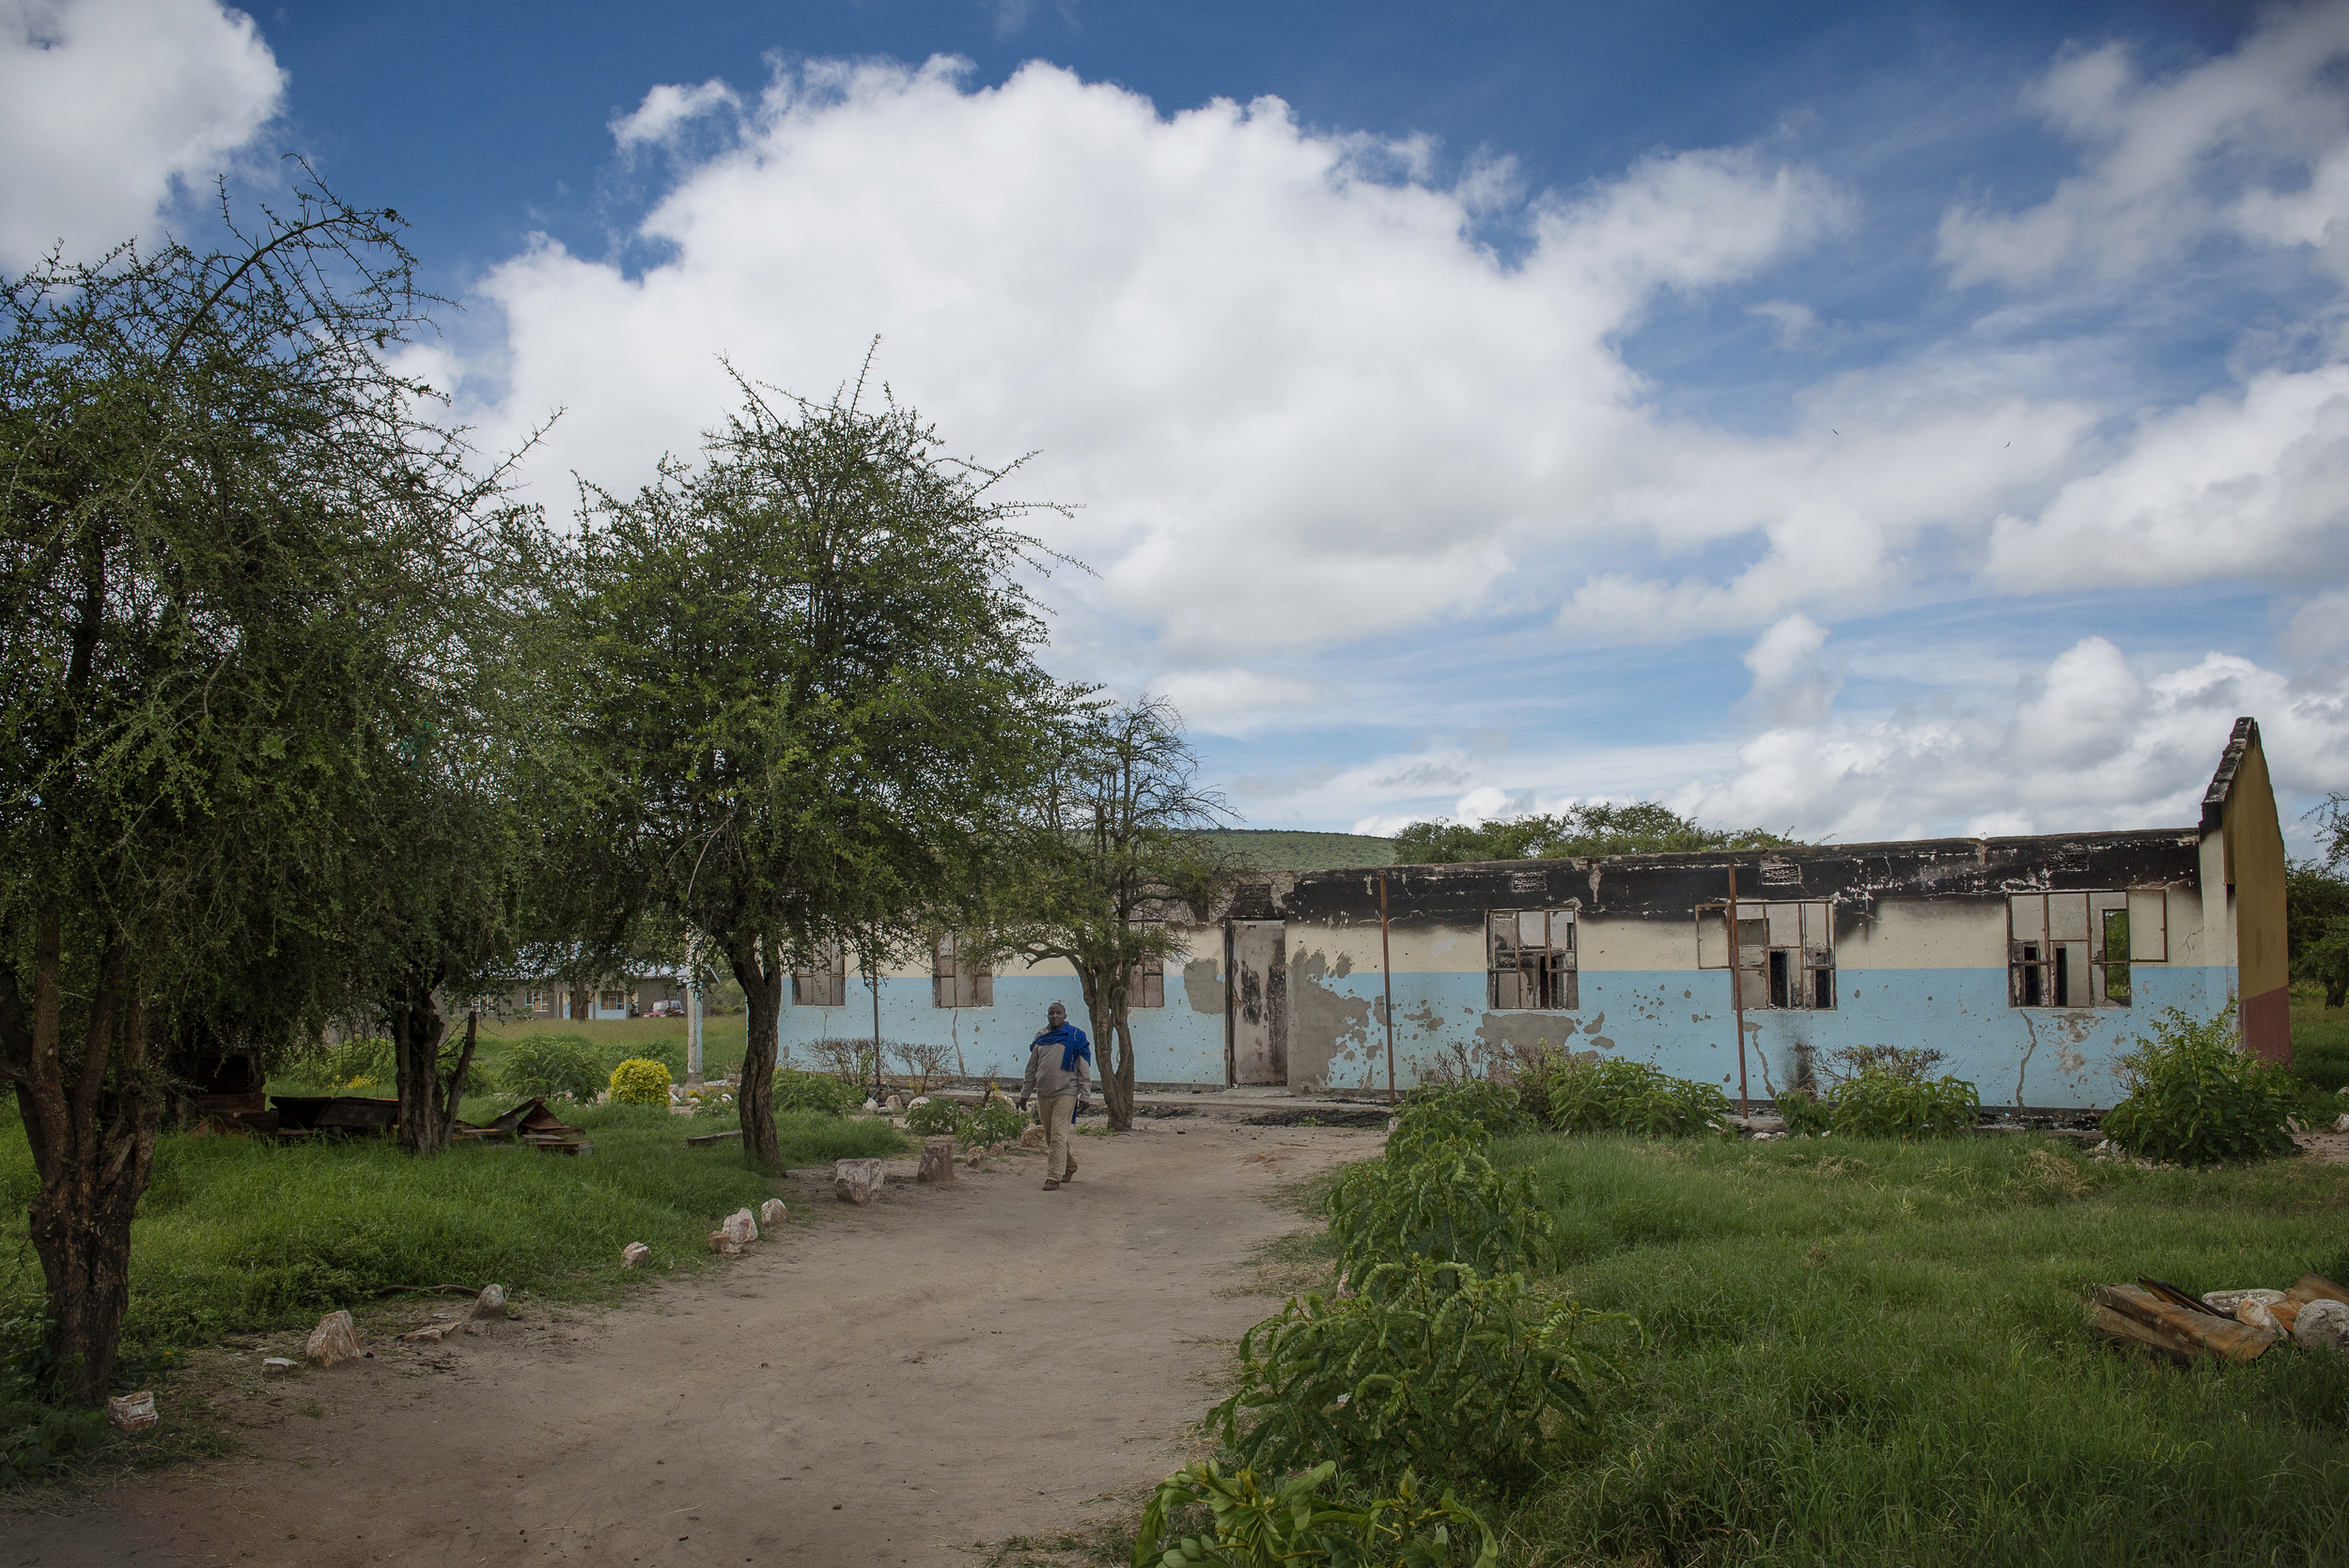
(1112,850)
(804,685)
(224,541)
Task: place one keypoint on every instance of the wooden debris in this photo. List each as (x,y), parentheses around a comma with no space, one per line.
(702,1140)
(2182,1332)
(2315,1287)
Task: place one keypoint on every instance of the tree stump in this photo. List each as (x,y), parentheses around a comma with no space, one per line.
(937,1162)
(856,1181)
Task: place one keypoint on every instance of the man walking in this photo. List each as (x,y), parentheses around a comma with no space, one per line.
(1057,1063)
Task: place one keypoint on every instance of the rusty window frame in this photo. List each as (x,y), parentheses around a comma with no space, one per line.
(1145,983)
(1538,975)
(954,983)
(823,983)
(2059,949)
(1785,952)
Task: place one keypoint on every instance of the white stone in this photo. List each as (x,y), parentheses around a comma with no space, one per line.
(634,1253)
(770,1213)
(490,1302)
(725,1245)
(918,1100)
(132,1412)
(2229,1300)
(2322,1325)
(870,1104)
(740,1226)
(893,1105)
(2341,1123)
(856,1181)
(334,1339)
(277,1366)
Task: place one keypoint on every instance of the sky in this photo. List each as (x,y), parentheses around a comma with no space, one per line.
(1862,421)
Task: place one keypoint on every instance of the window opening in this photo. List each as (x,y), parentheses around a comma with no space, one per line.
(1529,961)
(957,981)
(1785,952)
(2068,948)
(824,981)
(1145,983)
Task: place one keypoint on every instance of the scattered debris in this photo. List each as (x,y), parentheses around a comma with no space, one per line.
(634,1253)
(433,1333)
(2229,1324)
(490,1303)
(301,1115)
(277,1366)
(334,1339)
(856,1181)
(530,1123)
(132,1412)
(770,1213)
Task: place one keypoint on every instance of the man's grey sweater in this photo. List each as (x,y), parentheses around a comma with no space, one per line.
(1046,1077)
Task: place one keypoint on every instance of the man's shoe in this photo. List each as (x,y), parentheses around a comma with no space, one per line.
(1051,1185)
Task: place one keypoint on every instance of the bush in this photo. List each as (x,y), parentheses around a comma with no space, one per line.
(1445,1205)
(996,1121)
(552,1068)
(637,1082)
(362,1062)
(1431,1370)
(1615,1093)
(1804,1113)
(37,1436)
(1474,1113)
(1295,1526)
(813,1092)
(1885,1103)
(935,1118)
(2196,1098)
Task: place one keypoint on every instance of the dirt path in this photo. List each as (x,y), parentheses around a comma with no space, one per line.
(893,1386)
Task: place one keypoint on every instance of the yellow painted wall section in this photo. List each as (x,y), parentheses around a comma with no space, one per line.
(2255,864)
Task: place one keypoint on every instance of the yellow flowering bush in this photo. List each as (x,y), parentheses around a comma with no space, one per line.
(637,1082)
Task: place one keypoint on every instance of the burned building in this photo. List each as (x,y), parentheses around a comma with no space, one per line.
(2027,962)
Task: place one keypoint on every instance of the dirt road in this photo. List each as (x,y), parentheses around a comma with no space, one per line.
(893,1385)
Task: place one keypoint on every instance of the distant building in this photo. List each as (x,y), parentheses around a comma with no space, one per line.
(2027,962)
(633,995)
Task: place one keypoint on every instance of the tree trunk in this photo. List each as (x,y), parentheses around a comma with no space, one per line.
(579,1005)
(93,1144)
(1117,1084)
(1105,1011)
(417,1029)
(456,1095)
(2336,992)
(759,967)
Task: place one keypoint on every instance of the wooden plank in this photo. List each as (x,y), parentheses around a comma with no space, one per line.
(705,1140)
(2315,1287)
(2220,1337)
(2132,1335)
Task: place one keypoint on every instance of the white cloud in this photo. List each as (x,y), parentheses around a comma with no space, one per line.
(2252,142)
(107,106)
(1237,701)
(667,109)
(1795,322)
(2089,741)
(2252,484)
(1275,368)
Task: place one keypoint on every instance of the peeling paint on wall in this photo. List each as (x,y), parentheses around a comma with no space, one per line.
(1203,985)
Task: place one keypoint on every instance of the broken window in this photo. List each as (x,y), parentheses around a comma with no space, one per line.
(613,1002)
(1145,984)
(1785,952)
(824,983)
(1529,960)
(2069,949)
(956,979)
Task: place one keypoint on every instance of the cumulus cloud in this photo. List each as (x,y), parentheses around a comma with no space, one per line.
(668,109)
(1237,701)
(2090,740)
(2253,483)
(1275,368)
(2255,142)
(107,106)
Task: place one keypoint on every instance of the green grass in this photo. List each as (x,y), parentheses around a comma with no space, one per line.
(240,1233)
(2320,1043)
(1870,1353)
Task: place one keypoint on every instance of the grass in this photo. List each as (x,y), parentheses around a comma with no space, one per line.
(240,1234)
(1874,1353)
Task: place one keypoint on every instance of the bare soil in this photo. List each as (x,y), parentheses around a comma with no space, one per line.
(917,1382)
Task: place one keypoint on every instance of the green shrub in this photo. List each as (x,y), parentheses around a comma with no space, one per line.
(935,1117)
(1804,1113)
(1474,1112)
(1615,1093)
(1295,1526)
(996,1121)
(1430,1371)
(815,1091)
(1884,1102)
(37,1436)
(1446,1205)
(637,1082)
(364,1060)
(2197,1099)
(552,1068)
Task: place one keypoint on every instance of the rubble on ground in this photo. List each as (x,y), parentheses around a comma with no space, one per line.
(2235,1325)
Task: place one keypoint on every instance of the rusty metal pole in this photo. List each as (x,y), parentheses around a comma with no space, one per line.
(1737,997)
(1386,973)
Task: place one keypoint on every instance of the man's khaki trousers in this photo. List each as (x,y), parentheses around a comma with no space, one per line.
(1054,1112)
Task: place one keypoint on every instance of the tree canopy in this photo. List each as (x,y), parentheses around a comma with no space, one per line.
(1639,828)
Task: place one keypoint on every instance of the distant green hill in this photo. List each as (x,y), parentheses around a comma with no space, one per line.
(1280,849)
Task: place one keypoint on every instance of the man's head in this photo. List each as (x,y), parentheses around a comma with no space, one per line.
(1055,1015)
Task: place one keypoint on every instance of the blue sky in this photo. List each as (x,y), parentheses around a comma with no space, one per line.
(1863,420)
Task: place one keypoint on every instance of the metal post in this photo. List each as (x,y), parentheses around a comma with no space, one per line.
(1386,972)
(1737,997)
(873,962)
(692,1019)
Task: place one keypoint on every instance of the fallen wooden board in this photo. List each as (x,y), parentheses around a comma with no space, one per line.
(702,1140)
(2220,1337)
(2132,1335)
(2315,1287)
